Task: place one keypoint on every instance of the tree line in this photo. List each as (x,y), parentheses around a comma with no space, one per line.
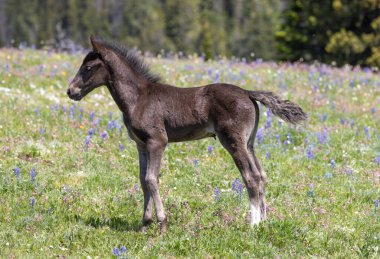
(341,31)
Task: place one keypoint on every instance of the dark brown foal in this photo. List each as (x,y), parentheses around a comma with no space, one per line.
(156,114)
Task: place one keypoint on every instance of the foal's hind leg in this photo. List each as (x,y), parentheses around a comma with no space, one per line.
(263,176)
(247,167)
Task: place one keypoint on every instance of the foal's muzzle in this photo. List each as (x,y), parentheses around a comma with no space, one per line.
(73,93)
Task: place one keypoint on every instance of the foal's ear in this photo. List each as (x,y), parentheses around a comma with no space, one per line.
(96,46)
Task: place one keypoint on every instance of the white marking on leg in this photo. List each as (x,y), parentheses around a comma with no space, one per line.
(255,215)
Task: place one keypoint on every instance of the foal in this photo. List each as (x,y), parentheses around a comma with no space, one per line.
(156,114)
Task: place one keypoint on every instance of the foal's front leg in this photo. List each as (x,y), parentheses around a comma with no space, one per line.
(148,208)
(155,150)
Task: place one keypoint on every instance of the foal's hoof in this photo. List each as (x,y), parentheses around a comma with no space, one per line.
(163,226)
(145,225)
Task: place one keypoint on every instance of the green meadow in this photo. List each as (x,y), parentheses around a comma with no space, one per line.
(69,185)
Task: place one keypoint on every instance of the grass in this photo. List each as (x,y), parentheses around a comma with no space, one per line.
(85,199)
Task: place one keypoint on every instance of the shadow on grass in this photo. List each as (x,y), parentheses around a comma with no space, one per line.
(115,223)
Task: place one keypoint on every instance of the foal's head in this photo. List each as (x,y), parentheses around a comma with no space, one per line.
(92,73)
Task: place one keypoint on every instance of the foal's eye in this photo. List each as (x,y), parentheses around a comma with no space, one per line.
(88,68)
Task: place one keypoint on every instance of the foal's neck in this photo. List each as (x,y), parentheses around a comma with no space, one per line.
(126,87)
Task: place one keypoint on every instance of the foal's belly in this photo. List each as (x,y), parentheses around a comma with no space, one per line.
(191,132)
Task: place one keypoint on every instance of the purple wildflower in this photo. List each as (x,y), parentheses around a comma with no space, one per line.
(373,110)
(104,135)
(377,160)
(33,174)
(123,249)
(260,135)
(17,172)
(91,132)
(267,155)
(328,175)
(80,114)
(111,115)
(217,194)
(309,153)
(72,111)
(322,136)
(37,111)
(237,187)
(366,130)
(269,120)
(209,149)
(111,125)
(95,122)
(87,141)
(92,114)
(32,202)
(342,120)
(42,131)
(116,251)
(332,163)
(121,147)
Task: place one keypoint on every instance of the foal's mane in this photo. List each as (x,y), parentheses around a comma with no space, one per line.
(134,60)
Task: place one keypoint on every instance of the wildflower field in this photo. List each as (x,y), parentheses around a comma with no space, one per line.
(69,172)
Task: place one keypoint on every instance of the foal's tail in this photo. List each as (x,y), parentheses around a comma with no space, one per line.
(285,109)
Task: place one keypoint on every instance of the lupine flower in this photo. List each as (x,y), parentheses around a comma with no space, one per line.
(366,130)
(267,155)
(311,190)
(111,125)
(32,202)
(332,163)
(377,160)
(328,175)
(91,132)
(104,135)
(95,122)
(373,110)
(237,187)
(309,153)
(217,194)
(33,174)
(269,120)
(80,114)
(87,141)
(17,172)
(260,135)
(322,136)
(92,114)
(342,120)
(64,109)
(37,111)
(209,149)
(116,251)
(323,117)
(72,112)
(111,115)
(42,131)
(121,147)
(123,249)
